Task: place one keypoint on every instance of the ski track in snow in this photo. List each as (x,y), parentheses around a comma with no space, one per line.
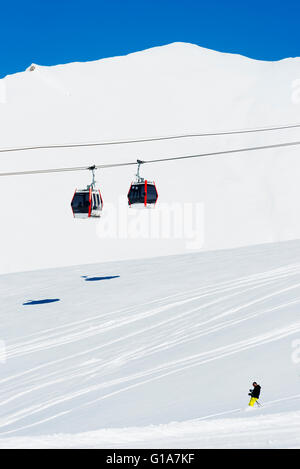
(192,315)
(182,330)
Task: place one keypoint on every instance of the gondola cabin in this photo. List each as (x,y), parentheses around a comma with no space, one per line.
(87,203)
(142,193)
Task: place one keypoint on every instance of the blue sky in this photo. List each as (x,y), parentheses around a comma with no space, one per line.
(49,32)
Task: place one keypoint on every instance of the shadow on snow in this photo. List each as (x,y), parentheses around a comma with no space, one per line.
(98,279)
(41,302)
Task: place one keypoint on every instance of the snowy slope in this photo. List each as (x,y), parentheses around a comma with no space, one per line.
(166,90)
(274,431)
(154,353)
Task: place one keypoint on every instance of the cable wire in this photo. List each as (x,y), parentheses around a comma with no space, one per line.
(156,160)
(148,139)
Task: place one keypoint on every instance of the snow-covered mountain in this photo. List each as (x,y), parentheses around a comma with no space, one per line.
(156,353)
(177,88)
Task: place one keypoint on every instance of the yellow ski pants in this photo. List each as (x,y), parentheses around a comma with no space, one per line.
(252,401)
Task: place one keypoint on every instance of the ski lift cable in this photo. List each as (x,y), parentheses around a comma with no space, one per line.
(149,139)
(156,160)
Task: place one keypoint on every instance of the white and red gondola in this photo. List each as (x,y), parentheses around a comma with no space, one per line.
(87,203)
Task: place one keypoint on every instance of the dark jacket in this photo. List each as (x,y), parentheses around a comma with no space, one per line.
(256,391)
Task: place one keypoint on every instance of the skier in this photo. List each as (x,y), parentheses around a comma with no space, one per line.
(254,393)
